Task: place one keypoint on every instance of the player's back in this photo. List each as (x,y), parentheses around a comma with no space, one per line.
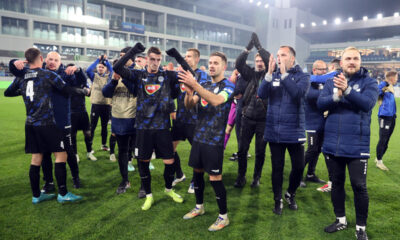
(36,88)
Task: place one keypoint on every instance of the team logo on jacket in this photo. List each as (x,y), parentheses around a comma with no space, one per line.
(182,87)
(151,88)
(216,90)
(161,79)
(203,102)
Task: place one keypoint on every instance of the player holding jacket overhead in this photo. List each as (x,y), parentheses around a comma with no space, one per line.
(153,86)
(213,99)
(185,122)
(41,133)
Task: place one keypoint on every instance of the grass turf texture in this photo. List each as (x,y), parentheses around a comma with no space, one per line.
(104,215)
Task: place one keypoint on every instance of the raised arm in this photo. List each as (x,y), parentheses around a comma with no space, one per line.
(119,66)
(91,68)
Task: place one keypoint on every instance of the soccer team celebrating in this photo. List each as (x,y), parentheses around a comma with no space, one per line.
(278,103)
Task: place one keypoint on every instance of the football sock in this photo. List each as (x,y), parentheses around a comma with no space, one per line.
(61,176)
(34,176)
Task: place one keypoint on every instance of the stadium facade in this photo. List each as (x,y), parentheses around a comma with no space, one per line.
(81,30)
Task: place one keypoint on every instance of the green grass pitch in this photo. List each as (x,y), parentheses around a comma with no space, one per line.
(104,215)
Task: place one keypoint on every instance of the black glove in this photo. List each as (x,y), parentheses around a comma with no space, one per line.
(250,45)
(175,54)
(255,40)
(138,48)
(314,85)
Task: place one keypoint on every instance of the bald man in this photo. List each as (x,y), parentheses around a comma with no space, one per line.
(314,124)
(319,67)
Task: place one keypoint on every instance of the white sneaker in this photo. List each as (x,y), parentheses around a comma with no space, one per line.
(191,188)
(112,157)
(91,157)
(380,165)
(178,180)
(151,166)
(77,158)
(131,168)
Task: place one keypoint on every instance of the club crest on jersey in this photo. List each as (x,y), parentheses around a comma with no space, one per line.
(144,79)
(161,79)
(182,87)
(203,102)
(216,90)
(151,88)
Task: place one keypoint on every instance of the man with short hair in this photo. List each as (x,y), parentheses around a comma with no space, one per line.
(285,89)
(213,100)
(185,122)
(101,106)
(387,116)
(314,123)
(42,135)
(72,76)
(333,68)
(254,111)
(349,97)
(140,60)
(153,87)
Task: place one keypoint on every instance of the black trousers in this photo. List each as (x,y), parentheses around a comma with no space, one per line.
(358,178)
(47,165)
(248,129)
(103,112)
(123,142)
(296,152)
(386,127)
(314,144)
(238,120)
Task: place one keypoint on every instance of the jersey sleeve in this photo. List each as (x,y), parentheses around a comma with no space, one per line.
(56,81)
(227,91)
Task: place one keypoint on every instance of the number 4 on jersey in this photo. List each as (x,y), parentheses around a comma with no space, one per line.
(29,90)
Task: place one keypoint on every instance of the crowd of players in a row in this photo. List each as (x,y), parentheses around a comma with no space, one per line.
(275,101)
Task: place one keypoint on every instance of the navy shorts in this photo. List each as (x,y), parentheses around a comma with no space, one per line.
(159,141)
(207,157)
(41,139)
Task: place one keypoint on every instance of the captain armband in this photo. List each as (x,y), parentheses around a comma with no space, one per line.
(225,95)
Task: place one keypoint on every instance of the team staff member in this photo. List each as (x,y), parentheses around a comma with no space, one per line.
(79,115)
(315,122)
(154,88)
(101,107)
(285,89)
(254,111)
(213,99)
(123,121)
(185,122)
(387,116)
(349,97)
(41,133)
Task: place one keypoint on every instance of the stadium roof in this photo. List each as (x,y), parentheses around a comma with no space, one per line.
(331,9)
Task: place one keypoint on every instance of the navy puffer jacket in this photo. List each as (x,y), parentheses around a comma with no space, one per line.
(315,120)
(347,127)
(285,115)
